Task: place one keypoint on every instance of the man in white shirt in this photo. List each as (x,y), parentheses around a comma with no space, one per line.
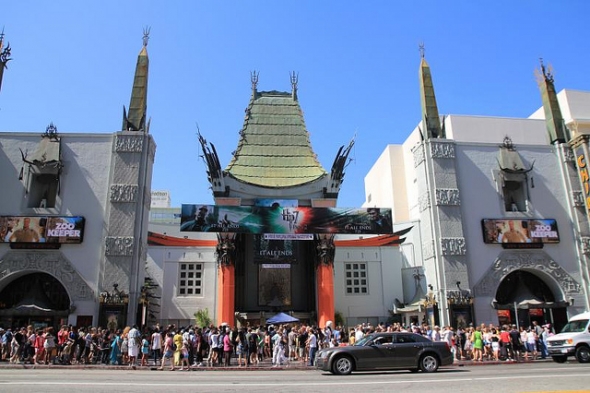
(312,340)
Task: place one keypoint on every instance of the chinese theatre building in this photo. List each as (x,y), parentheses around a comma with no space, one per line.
(73,221)
(275,220)
(503,208)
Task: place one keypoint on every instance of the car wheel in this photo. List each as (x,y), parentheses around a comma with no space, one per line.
(429,363)
(559,359)
(342,365)
(583,354)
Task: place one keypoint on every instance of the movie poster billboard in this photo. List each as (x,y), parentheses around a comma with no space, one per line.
(279,219)
(42,229)
(502,231)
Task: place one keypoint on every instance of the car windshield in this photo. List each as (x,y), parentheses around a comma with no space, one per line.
(575,326)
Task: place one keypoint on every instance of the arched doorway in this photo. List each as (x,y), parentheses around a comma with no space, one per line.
(37,299)
(523,297)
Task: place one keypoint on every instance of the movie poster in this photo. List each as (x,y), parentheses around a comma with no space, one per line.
(274,283)
(520,231)
(41,229)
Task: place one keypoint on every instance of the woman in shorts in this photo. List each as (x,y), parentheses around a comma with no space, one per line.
(168,352)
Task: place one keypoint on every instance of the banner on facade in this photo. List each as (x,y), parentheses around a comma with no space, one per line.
(502,231)
(288,236)
(42,229)
(274,251)
(285,220)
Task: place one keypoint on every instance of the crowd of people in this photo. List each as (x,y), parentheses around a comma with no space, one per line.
(224,346)
(174,347)
(481,342)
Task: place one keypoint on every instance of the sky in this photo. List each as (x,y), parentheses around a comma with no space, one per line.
(74,61)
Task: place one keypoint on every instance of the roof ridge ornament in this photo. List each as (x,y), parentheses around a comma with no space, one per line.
(294,81)
(507,143)
(254,79)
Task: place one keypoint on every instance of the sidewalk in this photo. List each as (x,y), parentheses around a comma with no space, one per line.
(265,365)
(466,362)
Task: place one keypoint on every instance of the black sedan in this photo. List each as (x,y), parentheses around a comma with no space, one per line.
(386,351)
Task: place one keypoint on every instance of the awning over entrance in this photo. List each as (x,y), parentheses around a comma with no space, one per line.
(281,318)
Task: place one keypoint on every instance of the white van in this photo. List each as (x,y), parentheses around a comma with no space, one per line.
(573,340)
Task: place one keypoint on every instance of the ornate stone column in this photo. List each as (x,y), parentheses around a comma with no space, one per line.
(325,278)
(226,259)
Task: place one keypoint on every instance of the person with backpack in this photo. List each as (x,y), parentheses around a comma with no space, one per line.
(253,348)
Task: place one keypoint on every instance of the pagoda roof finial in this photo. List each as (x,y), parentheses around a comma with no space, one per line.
(146,35)
(421,49)
(4,55)
(556,127)
(294,80)
(547,74)
(254,80)
(135,118)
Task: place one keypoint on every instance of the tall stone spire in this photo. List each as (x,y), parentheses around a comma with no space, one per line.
(135,120)
(4,56)
(553,118)
(428,101)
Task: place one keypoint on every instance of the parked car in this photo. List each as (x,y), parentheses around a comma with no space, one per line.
(573,340)
(386,351)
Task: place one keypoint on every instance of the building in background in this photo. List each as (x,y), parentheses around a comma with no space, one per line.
(160,199)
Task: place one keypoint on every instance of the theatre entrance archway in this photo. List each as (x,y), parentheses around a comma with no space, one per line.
(37,299)
(524,297)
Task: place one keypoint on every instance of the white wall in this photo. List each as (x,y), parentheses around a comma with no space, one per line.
(384,280)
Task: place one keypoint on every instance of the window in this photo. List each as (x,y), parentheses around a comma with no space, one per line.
(514,191)
(356,278)
(43,190)
(190,281)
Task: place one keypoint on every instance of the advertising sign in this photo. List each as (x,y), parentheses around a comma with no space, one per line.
(42,229)
(501,231)
(583,174)
(280,220)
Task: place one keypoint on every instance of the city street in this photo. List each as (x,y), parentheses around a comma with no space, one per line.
(530,377)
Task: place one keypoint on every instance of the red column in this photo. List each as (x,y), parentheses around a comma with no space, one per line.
(325,293)
(226,289)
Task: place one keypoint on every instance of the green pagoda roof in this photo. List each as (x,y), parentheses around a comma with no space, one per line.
(274,148)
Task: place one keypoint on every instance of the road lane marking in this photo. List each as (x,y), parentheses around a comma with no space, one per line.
(273,384)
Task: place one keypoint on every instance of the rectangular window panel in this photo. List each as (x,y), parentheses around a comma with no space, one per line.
(187,284)
(355,281)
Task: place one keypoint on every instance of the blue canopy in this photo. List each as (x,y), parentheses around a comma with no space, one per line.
(281,318)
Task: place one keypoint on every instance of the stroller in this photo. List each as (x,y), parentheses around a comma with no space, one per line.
(66,352)
(94,354)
